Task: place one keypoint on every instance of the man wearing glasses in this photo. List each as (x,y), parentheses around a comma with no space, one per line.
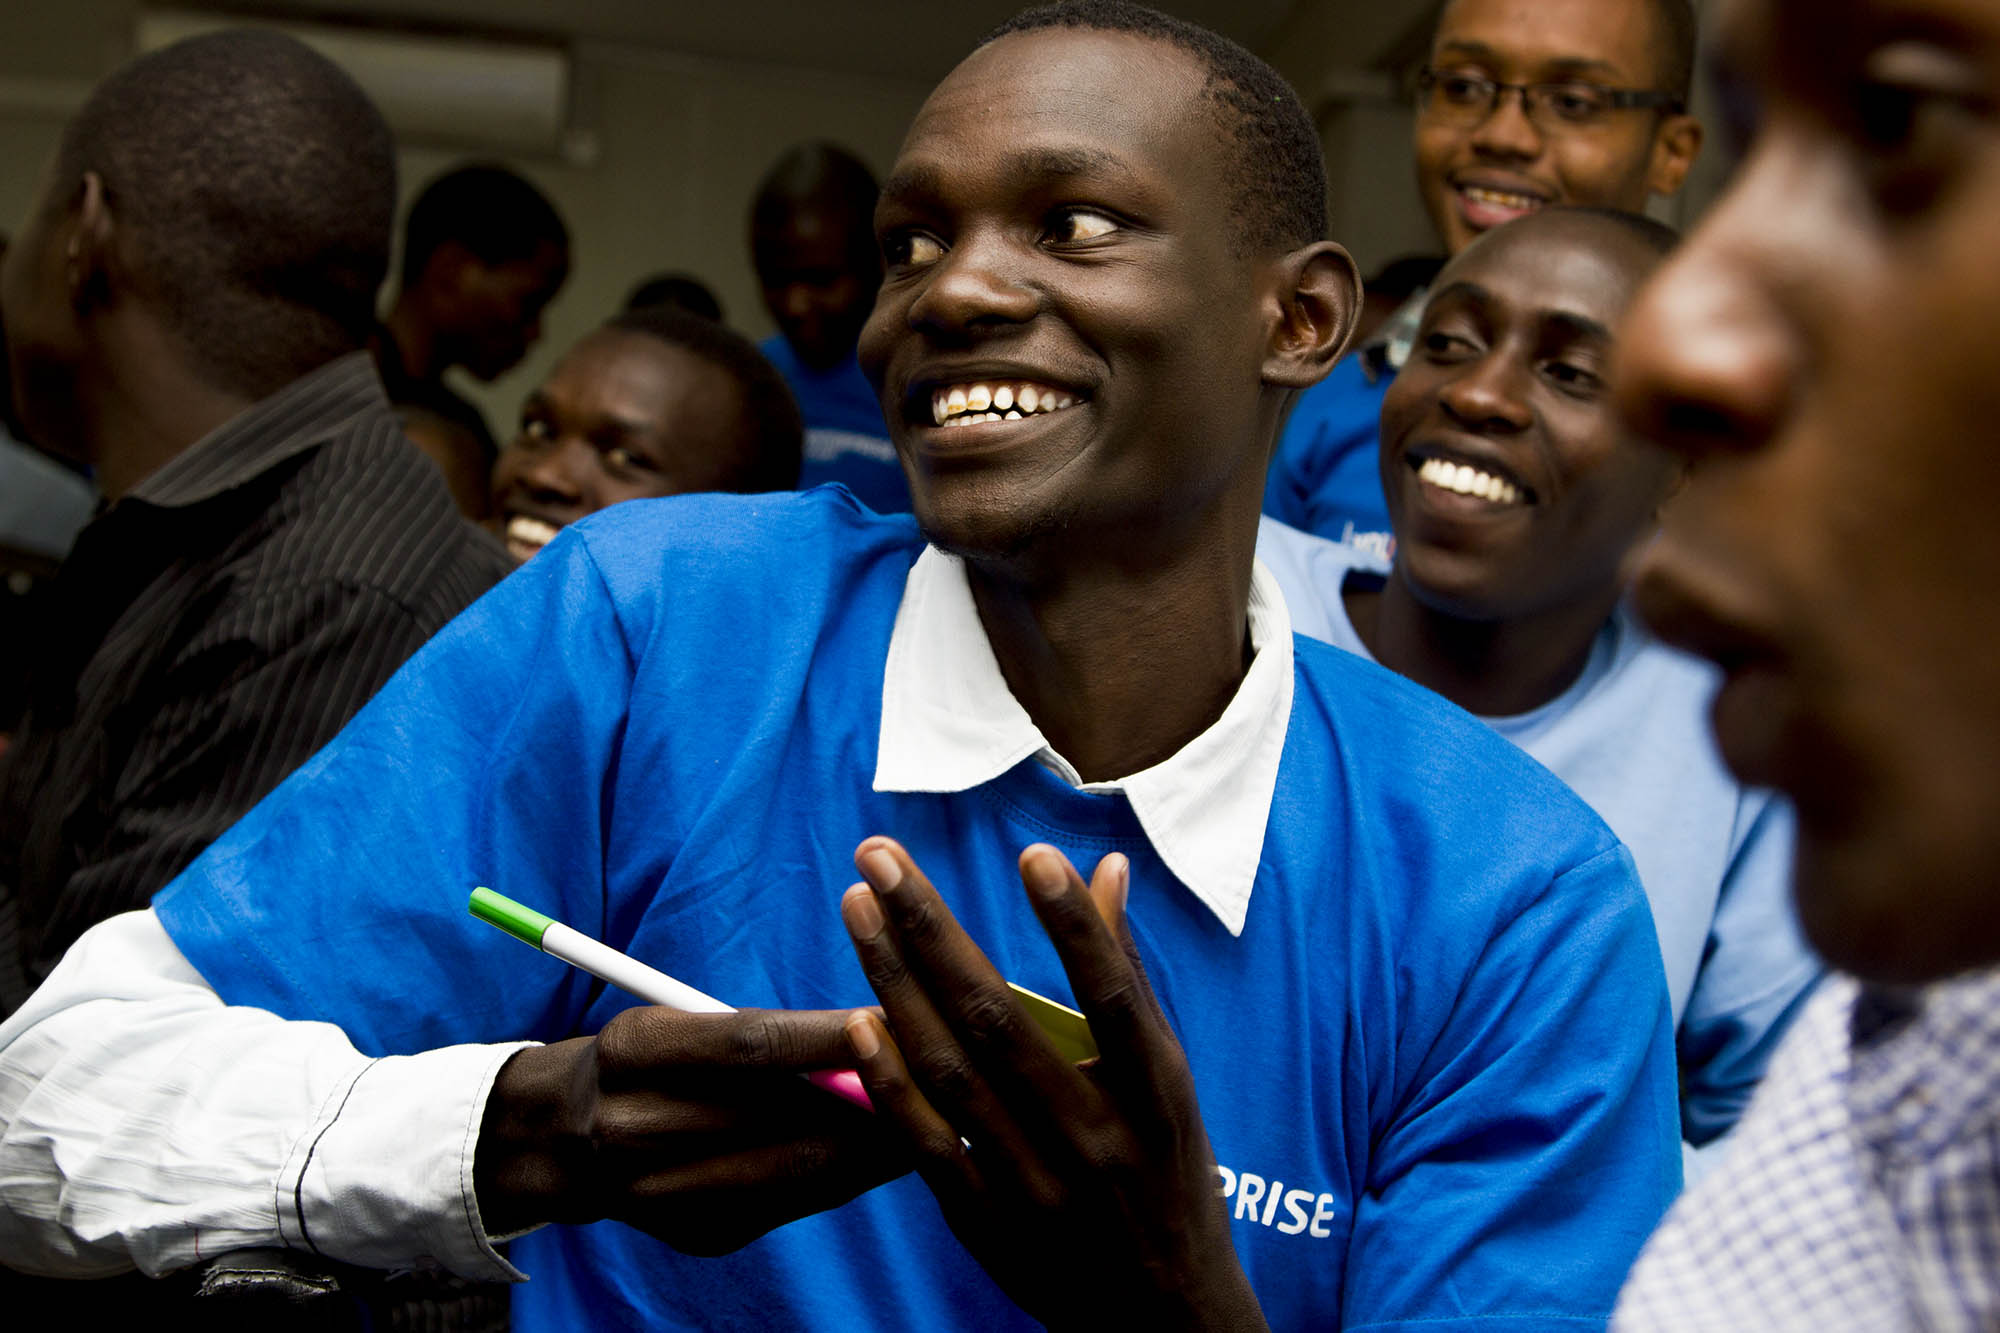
(1523,104)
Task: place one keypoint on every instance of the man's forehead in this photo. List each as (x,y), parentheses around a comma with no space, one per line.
(1586,280)
(1056,91)
(637,372)
(917,175)
(1612,36)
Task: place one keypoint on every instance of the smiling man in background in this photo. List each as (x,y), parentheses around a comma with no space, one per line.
(1519,500)
(1523,104)
(656,401)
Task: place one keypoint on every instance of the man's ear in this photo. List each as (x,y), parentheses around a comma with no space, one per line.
(1318,291)
(1675,146)
(90,250)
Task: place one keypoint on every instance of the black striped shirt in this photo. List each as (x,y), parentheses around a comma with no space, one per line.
(206,635)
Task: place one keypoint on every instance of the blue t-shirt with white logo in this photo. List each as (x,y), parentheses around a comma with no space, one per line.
(1435,1067)
(846,439)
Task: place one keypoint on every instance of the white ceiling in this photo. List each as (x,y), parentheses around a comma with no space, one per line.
(897,38)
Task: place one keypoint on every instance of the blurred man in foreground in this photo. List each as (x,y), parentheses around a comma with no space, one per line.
(1818,353)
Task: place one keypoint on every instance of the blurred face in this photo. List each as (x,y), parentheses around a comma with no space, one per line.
(497,309)
(1512,486)
(623,416)
(43,343)
(1066,337)
(1817,351)
(1476,172)
(819,275)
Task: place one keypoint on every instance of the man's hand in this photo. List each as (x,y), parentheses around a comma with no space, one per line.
(1089,1193)
(692,1127)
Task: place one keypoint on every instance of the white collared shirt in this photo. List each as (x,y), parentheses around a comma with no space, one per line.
(143,1122)
(949,723)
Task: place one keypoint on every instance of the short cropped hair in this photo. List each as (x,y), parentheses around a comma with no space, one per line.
(683,291)
(259,184)
(771,420)
(825,174)
(495,214)
(1276,170)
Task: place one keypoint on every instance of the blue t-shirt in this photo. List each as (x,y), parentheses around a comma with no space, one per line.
(1630,736)
(846,439)
(1326,473)
(1435,1067)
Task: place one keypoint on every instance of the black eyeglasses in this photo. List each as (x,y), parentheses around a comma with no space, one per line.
(1462,98)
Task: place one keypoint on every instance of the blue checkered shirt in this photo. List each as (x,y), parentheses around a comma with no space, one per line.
(1862,1188)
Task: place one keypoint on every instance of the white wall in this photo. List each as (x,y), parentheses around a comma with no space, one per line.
(682,142)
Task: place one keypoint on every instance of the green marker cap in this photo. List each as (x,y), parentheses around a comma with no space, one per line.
(522,922)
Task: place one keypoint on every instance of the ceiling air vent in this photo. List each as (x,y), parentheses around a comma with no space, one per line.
(467,93)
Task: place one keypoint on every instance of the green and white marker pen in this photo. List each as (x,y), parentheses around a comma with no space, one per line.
(627,973)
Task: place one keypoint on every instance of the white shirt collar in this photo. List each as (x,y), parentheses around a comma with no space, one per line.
(949,723)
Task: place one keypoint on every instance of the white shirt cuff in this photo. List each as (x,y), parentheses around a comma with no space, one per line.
(389,1160)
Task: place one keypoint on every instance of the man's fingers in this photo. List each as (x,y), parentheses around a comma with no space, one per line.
(982,1016)
(970,1044)
(1136,1047)
(1109,885)
(941,1155)
(1110,890)
(651,1041)
(926,931)
(928,1043)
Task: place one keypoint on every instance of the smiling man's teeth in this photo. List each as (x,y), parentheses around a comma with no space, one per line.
(1501,198)
(1464,480)
(526,535)
(964,404)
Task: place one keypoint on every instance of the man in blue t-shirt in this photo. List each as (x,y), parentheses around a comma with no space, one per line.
(1411,977)
(812,237)
(1517,498)
(1523,104)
